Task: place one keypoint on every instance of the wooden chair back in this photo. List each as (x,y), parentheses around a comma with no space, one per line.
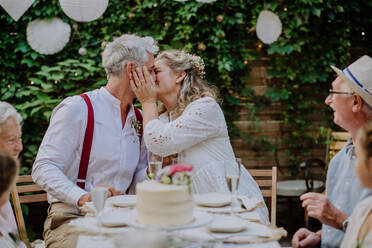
(26,191)
(266,180)
(336,142)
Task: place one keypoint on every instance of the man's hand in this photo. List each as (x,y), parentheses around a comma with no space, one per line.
(319,207)
(88,197)
(305,238)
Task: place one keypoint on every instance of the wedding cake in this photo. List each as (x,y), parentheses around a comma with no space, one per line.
(167,200)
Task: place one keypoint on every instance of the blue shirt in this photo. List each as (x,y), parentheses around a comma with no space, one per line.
(342,190)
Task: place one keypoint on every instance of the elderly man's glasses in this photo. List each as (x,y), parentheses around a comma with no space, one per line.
(333,92)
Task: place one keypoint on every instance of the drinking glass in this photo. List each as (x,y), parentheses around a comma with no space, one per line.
(155,164)
(99,195)
(232,175)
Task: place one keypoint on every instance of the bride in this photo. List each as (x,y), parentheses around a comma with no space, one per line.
(190,122)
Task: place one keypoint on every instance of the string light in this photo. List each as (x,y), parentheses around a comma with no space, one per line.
(76,73)
(219,18)
(32,83)
(155,5)
(55,81)
(9,85)
(259,45)
(363,33)
(201,46)
(246,62)
(285,9)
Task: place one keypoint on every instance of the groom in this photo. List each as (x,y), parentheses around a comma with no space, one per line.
(92,140)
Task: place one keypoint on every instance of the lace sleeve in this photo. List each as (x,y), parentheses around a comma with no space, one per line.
(201,120)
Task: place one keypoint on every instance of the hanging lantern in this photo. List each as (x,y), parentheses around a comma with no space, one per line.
(48,36)
(206,1)
(16,8)
(82,51)
(84,10)
(268,27)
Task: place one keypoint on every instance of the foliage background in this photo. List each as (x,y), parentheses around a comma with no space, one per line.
(316,33)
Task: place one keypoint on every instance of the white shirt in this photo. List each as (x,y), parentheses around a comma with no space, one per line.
(115,159)
(7,220)
(200,138)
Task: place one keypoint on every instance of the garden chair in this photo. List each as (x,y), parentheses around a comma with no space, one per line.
(266,180)
(26,191)
(315,171)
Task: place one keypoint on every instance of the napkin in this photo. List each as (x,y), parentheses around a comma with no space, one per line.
(87,241)
(254,233)
(249,203)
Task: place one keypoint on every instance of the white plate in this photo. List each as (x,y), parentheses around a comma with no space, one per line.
(212,200)
(227,224)
(129,218)
(123,201)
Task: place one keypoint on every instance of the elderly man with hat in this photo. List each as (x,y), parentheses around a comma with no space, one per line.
(351,101)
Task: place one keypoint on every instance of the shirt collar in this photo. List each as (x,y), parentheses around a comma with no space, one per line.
(116,102)
(109,97)
(350,147)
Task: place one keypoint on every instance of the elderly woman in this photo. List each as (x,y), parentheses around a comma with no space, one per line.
(191,123)
(10,141)
(8,174)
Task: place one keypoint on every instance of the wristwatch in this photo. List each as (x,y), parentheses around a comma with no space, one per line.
(345,224)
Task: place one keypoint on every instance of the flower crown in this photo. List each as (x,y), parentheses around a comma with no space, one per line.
(196,62)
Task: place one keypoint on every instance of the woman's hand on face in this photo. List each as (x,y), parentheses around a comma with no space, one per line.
(143,85)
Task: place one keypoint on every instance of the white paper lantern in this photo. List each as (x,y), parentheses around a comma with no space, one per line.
(268,27)
(48,36)
(16,8)
(82,51)
(84,10)
(206,1)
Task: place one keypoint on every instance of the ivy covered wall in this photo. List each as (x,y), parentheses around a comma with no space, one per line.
(316,33)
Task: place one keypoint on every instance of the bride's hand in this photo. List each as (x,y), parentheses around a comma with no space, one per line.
(143,85)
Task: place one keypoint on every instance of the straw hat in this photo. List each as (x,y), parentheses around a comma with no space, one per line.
(358,76)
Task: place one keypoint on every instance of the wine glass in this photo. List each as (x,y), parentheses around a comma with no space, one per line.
(232,175)
(155,164)
(99,195)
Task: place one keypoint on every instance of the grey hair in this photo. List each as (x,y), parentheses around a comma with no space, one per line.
(127,48)
(6,111)
(193,86)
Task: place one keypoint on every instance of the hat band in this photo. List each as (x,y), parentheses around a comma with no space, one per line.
(351,76)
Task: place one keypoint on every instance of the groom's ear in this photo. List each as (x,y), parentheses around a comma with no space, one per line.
(181,75)
(128,69)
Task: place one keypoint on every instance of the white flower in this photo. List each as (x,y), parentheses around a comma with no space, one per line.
(179,179)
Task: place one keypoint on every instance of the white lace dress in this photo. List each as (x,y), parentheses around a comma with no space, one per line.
(360,214)
(200,138)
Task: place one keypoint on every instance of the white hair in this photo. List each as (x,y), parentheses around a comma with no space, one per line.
(127,48)
(6,111)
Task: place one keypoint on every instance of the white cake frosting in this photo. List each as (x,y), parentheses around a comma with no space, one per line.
(164,204)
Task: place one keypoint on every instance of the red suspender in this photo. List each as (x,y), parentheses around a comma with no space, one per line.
(87,145)
(140,119)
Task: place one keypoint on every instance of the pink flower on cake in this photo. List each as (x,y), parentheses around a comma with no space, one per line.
(174,168)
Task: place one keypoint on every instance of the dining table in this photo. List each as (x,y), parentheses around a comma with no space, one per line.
(216,224)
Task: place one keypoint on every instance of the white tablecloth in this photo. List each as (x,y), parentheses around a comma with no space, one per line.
(193,237)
